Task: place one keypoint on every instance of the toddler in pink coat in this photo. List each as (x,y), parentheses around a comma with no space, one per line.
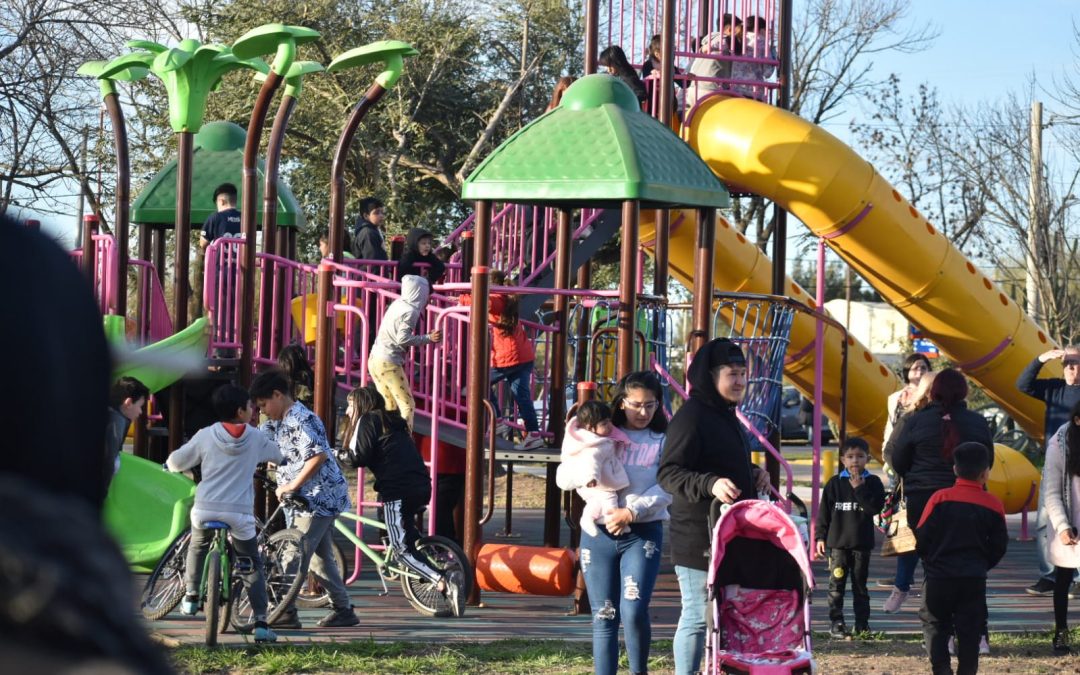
(589,463)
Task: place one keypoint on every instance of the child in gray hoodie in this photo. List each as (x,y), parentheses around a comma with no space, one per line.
(228,451)
(397,333)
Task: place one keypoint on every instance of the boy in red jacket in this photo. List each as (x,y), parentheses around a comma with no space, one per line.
(960,536)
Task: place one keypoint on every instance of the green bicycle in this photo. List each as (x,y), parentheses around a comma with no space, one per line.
(164,588)
(444,554)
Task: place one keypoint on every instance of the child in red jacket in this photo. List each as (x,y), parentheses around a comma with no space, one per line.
(512,358)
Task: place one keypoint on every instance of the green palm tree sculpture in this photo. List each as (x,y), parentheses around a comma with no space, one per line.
(123,164)
(282,40)
(189,71)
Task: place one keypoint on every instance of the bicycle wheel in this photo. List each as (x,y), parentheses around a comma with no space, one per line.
(212,606)
(312,595)
(446,556)
(165,588)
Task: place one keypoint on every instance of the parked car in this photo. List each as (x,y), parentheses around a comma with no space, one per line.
(796,411)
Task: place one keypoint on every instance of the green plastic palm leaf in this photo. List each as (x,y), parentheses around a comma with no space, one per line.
(147,46)
(274,37)
(96,68)
(170,60)
(189,71)
(391,53)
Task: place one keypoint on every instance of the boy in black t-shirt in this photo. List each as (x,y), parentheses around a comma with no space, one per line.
(226,221)
(845,532)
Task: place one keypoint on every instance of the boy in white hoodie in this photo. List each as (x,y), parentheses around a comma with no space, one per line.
(397,333)
(228,451)
(588,462)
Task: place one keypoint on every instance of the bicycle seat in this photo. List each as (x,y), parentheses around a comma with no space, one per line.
(214,525)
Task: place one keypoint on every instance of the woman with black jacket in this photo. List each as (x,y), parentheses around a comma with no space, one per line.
(706,456)
(920,449)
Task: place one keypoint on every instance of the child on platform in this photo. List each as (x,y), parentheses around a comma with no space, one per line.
(959,538)
(845,533)
(228,451)
(588,462)
(397,332)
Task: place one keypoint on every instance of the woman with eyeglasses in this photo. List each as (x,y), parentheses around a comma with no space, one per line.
(621,562)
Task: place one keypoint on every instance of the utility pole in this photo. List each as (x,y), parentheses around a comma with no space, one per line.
(1035,225)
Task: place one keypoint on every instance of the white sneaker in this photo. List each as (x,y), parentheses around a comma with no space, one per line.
(894,601)
(984,646)
(532,441)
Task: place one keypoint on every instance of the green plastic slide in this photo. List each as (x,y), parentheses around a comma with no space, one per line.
(147,507)
(160,364)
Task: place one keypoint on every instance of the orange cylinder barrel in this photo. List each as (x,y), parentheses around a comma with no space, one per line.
(532,570)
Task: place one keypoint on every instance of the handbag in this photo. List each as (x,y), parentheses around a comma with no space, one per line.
(899,537)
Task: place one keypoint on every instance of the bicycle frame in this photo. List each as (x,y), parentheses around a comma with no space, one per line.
(219,543)
(383,561)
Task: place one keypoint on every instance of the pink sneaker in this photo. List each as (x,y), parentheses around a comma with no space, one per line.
(894,601)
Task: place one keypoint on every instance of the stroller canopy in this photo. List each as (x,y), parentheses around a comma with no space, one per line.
(764,522)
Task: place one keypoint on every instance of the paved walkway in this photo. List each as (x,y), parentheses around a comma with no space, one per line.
(391,618)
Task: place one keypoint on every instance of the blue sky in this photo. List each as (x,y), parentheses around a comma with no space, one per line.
(984,51)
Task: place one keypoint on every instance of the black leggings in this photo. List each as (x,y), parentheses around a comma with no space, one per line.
(1063,578)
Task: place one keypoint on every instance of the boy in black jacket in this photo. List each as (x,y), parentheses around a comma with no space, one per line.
(846,528)
(960,536)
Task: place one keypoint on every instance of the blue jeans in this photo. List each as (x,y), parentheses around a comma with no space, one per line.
(520,379)
(620,573)
(905,570)
(689,644)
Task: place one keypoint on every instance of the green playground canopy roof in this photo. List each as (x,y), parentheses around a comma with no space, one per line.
(595,149)
(219,158)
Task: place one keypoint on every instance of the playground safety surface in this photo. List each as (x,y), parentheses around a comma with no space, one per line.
(390,618)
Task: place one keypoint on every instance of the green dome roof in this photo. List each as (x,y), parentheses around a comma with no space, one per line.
(597,146)
(219,158)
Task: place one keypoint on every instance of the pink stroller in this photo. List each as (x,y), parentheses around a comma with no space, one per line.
(759,594)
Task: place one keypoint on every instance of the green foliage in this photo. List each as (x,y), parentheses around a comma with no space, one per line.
(412,147)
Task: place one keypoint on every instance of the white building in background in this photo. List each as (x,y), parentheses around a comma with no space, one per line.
(880,327)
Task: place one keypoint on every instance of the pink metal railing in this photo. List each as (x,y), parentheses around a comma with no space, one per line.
(156,323)
(105,271)
(752,65)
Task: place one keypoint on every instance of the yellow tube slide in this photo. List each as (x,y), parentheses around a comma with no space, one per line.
(839,196)
(741,267)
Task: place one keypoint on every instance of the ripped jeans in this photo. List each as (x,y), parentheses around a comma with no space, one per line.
(620,573)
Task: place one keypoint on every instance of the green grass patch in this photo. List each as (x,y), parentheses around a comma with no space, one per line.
(511,657)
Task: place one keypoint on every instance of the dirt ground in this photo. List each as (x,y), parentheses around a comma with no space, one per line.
(901,657)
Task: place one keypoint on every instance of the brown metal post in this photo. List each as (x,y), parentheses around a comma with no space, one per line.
(181,283)
(468,255)
(337,168)
(627,288)
(557,364)
(269,219)
(703,278)
(248,213)
(581,360)
(182,255)
(89,229)
(324,348)
(592,34)
(158,237)
(667,103)
(477,387)
(123,199)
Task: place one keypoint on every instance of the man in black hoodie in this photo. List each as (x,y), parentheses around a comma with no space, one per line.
(706,456)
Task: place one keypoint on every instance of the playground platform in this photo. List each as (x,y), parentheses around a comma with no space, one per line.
(390,618)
